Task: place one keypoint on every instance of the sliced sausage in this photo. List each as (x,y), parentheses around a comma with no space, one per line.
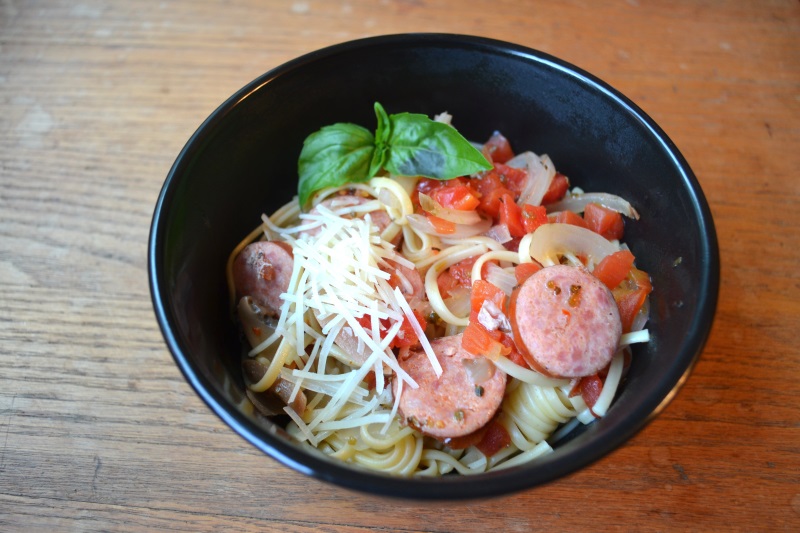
(411,285)
(408,280)
(379,218)
(566,322)
(271,401)
(451,405)
(263,271)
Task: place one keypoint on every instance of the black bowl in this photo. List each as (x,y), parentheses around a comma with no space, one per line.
(242,162)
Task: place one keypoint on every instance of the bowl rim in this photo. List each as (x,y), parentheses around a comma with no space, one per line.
(491,484)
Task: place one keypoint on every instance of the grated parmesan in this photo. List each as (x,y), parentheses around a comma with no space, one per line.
(336,281)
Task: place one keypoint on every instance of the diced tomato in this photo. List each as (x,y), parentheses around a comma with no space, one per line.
(495,439)
(483,290)
(462,271)
(478,340)
(446,282)
(370,379)
(497,148)
(492,202)
(513,244)
(407,336)
(614,268)
(590,388)
(630,296)
(517,358)
(604,221)
(492,185)
(486,183)
(557,190)
(365,321)
(568,217)
(629,304)
(514,354)
(456,196)
(525,270)
(511,216)
(425,186)
(513,179)
(533,216)
(441,225)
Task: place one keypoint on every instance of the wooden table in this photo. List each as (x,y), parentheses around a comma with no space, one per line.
(98,429)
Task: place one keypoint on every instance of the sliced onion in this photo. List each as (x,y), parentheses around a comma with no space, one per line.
(389,199)
(539,176)
(500,233)
(456,216)
(500,278)
(459,301)
(577,203)
(423,225)
(479,370)
(641,318)
(551,240)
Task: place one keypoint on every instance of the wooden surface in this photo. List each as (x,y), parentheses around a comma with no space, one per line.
(98,429)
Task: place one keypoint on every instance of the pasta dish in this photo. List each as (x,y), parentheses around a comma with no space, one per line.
(422,326)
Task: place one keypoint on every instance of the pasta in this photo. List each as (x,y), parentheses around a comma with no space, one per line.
(344,302)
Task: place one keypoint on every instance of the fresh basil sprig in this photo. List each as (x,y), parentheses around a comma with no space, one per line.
(405,144)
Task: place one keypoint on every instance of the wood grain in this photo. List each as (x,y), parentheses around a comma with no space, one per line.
(98,429)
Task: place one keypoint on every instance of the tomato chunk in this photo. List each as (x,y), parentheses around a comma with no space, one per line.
(483,290)
(456,196)
(497,148)
(533,216)
(558,188)
(447,282)
(462,271)
(525,270)
(630,296)
(513,179)
(589,387)
(614,268)
(568,217)
(407,336)
(511,216)
(495,439)
(478,340)
(604,221)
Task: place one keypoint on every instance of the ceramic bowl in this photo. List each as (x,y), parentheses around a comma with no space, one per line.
(242,162)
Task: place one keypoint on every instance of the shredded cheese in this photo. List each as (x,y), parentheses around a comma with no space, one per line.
(336,282)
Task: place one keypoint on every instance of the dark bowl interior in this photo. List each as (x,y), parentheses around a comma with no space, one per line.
(242,162)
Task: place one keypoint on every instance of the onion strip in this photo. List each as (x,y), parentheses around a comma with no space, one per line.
(578,202)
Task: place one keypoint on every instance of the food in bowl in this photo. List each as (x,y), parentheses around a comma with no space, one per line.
(427,306)
(242,160)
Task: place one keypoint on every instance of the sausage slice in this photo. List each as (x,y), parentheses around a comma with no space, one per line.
(566,322)
(379,218)
(452,405)
(263,271)
(411,285)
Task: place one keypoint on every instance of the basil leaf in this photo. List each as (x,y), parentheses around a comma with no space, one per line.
(335,155)
(419,146)
(382,134)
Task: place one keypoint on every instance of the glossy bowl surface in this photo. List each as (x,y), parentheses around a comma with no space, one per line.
(242,162)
